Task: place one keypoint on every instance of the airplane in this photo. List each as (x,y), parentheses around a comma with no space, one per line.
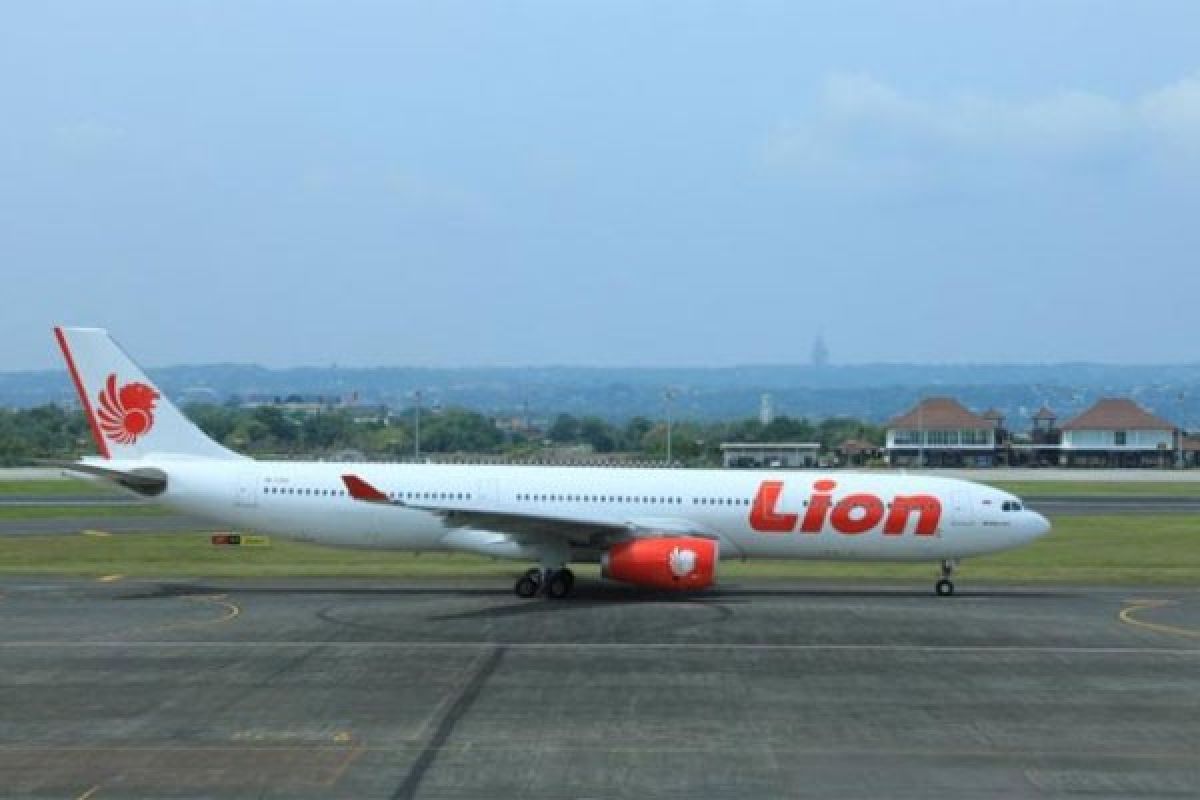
(665,529)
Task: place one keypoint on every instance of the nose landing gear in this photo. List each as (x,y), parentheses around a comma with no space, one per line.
(945,587)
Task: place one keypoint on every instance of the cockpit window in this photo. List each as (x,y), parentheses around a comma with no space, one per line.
(1010,505)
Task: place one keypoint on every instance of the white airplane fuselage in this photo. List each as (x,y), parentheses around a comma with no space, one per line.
(310,502)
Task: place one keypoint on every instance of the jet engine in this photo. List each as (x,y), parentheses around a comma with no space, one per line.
(685,563)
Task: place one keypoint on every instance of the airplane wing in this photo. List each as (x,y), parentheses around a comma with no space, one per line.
(580,531)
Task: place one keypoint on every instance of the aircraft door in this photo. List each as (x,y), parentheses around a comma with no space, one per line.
(960,509)
(246,494)
(485,491)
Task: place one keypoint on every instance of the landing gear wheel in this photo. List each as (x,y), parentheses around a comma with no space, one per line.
(559,584)
(945,587)
(569,577)
(528,585)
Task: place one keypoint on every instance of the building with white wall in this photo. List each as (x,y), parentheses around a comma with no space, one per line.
(941,432)
(768,455)
(1117,432)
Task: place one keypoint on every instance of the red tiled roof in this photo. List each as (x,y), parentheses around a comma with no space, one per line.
(1045,413)
(941,413)
(1117,414)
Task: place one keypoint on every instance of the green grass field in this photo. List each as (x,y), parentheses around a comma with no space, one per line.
(80,511)
(65,487)
(1117,549)
(1033,489)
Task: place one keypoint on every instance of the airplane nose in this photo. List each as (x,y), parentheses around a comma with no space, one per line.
(1037,524)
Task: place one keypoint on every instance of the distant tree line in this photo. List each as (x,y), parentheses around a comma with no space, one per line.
(52,432)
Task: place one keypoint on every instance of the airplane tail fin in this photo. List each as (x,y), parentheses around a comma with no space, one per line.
(129,416)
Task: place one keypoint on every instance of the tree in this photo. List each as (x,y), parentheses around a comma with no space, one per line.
(326,430)
(635,431)
(598,433)
(457,430)
(564,430)
(216,421)
(276,423)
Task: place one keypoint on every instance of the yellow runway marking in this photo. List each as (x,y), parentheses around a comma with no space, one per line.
(109,578)
(89,793)
(1135,606)
(231,611)
(351,757)
(90,532)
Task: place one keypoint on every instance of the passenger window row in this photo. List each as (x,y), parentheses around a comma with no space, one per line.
(309,492)
(643,499)
(430,495)
(593,498)
(306,492)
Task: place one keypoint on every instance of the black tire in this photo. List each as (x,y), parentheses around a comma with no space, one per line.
(559,585)
(526,586)
(944,588)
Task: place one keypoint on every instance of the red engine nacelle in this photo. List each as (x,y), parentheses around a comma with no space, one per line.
(685,563)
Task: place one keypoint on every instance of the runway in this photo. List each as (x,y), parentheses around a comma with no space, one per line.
(320,689)
(1068,505)
(134,523)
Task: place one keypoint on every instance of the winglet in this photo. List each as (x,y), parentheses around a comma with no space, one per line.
(361,490)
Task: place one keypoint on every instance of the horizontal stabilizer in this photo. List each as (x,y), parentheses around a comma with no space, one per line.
(143,480)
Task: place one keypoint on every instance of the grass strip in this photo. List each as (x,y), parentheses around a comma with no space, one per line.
(1031,489)
(1110,549)
(50,487)
(17,513)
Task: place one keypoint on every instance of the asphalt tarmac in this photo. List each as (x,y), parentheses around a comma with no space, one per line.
(157,523)
(320,689)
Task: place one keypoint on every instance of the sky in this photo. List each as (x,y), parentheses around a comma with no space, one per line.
(602,183)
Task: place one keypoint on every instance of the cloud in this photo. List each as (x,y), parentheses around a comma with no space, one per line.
(863,132)
(87,137)
(1172,115)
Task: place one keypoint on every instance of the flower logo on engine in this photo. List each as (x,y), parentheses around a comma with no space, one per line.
(682,562)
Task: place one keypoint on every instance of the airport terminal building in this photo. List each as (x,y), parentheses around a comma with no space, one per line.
(941,432)
(1114,432)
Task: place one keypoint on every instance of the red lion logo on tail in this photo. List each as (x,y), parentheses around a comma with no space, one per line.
(128,412)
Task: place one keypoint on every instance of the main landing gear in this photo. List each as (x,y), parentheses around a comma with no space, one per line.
(553,583)
(945,586)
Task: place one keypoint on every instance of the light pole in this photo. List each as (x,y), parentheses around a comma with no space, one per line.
(920,431)
(668,396)
(417,425)
(1179,435)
